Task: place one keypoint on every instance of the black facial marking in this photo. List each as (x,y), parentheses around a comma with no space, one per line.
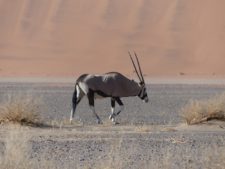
(144,96)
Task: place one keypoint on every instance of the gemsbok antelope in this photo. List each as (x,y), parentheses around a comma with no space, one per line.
(113,85)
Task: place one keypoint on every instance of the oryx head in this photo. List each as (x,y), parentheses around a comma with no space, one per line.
(143,92)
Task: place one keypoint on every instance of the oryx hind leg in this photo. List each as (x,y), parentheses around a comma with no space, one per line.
(91,104)
(72,113)
(77,96)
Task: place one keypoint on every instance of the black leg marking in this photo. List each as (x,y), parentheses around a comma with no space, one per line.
(113,102)
(91,98)
(113,115)
(118,100)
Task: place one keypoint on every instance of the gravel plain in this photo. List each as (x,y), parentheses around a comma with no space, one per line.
(149,135)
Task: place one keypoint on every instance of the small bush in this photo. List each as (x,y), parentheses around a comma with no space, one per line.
(200,111)
(20,110)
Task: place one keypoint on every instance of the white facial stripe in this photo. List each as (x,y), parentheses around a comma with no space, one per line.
(143,91)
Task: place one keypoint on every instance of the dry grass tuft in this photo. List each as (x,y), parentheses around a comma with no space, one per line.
(18,149)
(20,110)
(15,154)
(200,111)
(143,128)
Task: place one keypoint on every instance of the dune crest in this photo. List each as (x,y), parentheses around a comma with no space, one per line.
(67,38)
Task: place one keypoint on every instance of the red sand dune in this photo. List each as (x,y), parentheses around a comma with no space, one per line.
(70,37)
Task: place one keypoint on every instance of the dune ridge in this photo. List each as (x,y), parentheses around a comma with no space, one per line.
(67,38)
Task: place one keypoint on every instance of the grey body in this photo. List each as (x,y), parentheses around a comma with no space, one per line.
(113,85)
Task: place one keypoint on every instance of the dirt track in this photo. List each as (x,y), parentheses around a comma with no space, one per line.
(149,135)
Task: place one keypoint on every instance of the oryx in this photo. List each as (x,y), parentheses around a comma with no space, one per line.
(113,85)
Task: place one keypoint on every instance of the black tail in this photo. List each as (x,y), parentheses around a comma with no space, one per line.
(74,99)
(74,103)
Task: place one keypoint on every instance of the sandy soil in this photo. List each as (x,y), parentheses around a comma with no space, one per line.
(149,135)
(62,37)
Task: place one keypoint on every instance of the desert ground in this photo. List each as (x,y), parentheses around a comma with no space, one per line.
(149,135)
(180,45)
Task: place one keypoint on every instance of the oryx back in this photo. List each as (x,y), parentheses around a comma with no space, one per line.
(111,84)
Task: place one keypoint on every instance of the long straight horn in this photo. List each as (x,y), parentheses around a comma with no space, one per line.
(139,67)
(134,66)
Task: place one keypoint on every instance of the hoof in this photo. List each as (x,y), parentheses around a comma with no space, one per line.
(116,123)
(111,116)
(99,122)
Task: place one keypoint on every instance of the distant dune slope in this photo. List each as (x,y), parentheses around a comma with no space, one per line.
(69,37)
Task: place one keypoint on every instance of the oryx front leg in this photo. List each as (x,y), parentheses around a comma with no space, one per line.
(121,106)
(91,104)
(74,109)
(113,114)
